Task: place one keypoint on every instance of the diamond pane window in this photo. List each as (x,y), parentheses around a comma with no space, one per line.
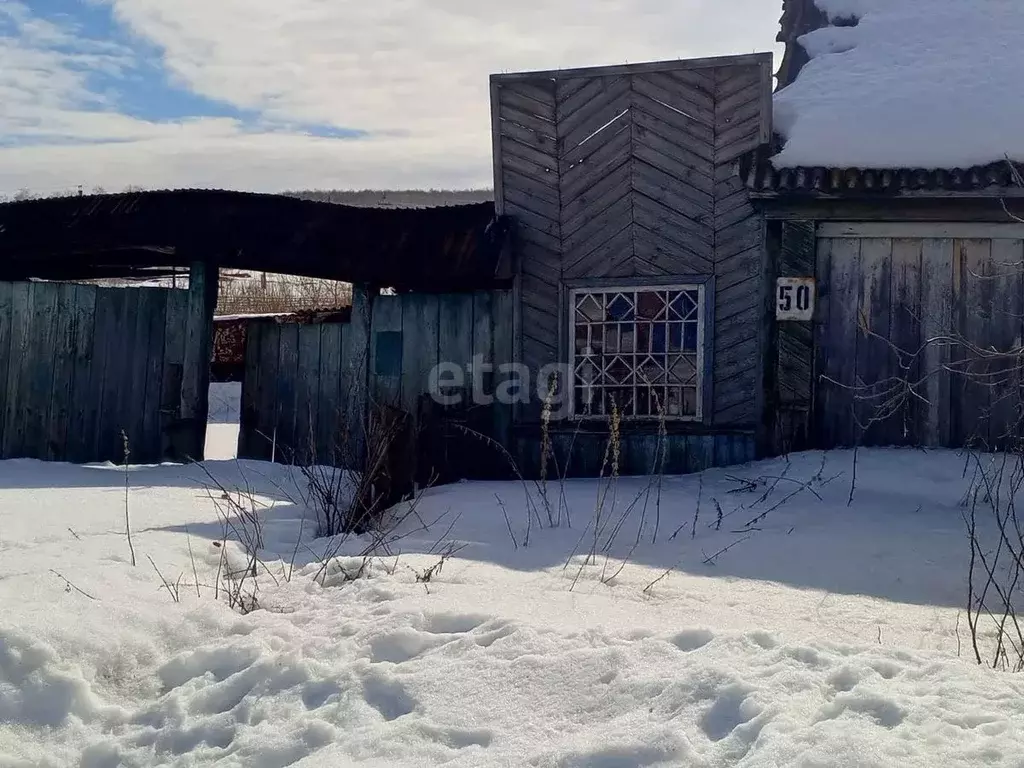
(639,350)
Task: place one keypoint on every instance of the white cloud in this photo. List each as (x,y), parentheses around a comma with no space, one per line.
(413,73)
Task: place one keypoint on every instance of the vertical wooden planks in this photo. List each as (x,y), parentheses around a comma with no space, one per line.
(483,341)
(287,381)
(84,406)
(419,347)
(794,356)
(970,391)
(173,371)
(17,386)
(1005,336)
(419,358)
(356,360)
(307,395)
(907,426)
(109,314)
(153,332)
(6,319)
(134,363)
(455,331)
(938,258)
(38,374)
(249,412)
(63,380)
(873,354)
(821,390)
(330,410)
(202,298)
(264,438)
(80,364)
(386,350)
(839,339)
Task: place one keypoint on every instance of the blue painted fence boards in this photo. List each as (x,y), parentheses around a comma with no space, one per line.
(392,366)
(80,364)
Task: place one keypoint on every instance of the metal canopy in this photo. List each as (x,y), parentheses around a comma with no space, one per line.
(438,249)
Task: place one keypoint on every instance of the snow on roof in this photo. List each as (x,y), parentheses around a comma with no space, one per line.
(914,84)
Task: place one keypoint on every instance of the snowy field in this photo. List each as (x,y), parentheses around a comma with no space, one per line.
(827,635)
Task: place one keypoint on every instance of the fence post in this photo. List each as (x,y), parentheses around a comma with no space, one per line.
(195,379)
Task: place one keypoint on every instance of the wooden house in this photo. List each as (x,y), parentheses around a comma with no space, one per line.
(639,258)
(892,186)
(679,264)
(684,266)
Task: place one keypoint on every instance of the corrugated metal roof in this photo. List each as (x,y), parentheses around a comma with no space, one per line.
(762,178)
(431,249)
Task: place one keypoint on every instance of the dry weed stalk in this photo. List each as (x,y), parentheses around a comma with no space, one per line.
(995,573)
(127,517)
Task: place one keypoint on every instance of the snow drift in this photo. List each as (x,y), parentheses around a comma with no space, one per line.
(825,634)
(915,84)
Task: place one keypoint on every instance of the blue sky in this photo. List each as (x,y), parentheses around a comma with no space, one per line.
(144,89)
(271,95)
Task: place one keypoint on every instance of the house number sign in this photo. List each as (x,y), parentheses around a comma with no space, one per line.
(794,298)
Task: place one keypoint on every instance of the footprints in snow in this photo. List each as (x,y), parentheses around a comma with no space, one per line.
(692,639)
(388,697)
(730,710)
(463,631)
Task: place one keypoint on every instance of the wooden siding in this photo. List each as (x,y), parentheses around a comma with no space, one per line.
(630,173)
(293,398)
(794,349)
(308,389)
(316,374)
(889,287)
(79,364)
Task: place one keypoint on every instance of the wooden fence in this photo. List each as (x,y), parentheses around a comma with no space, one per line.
(296,377)
(310,389)
(79,364)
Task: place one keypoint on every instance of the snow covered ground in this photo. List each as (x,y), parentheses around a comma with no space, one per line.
(825,636)
(225,405)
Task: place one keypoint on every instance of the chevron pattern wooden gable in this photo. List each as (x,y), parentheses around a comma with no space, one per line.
(626,172)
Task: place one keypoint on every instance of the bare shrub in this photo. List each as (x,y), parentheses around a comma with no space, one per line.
(995,579)
(350,489)
(269,293)
(451,549)
(240,512)
(995,534)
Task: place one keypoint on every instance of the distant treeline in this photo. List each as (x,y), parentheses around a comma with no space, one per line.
(402,198)
(382,198)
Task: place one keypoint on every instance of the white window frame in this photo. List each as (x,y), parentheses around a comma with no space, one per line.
(702,372)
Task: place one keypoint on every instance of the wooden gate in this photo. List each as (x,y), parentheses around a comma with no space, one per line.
(911,321)
(80,364)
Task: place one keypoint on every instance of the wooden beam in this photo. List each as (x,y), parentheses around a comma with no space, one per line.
(195,378)
(966,208)
(767,103)
(499,197)
(637,69)
(903,229)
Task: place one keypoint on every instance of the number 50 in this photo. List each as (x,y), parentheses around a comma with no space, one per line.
(794,297)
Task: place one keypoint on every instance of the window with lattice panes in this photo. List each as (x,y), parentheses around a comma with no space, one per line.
(640,348)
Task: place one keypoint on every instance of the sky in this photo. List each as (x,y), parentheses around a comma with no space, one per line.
(266,95)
